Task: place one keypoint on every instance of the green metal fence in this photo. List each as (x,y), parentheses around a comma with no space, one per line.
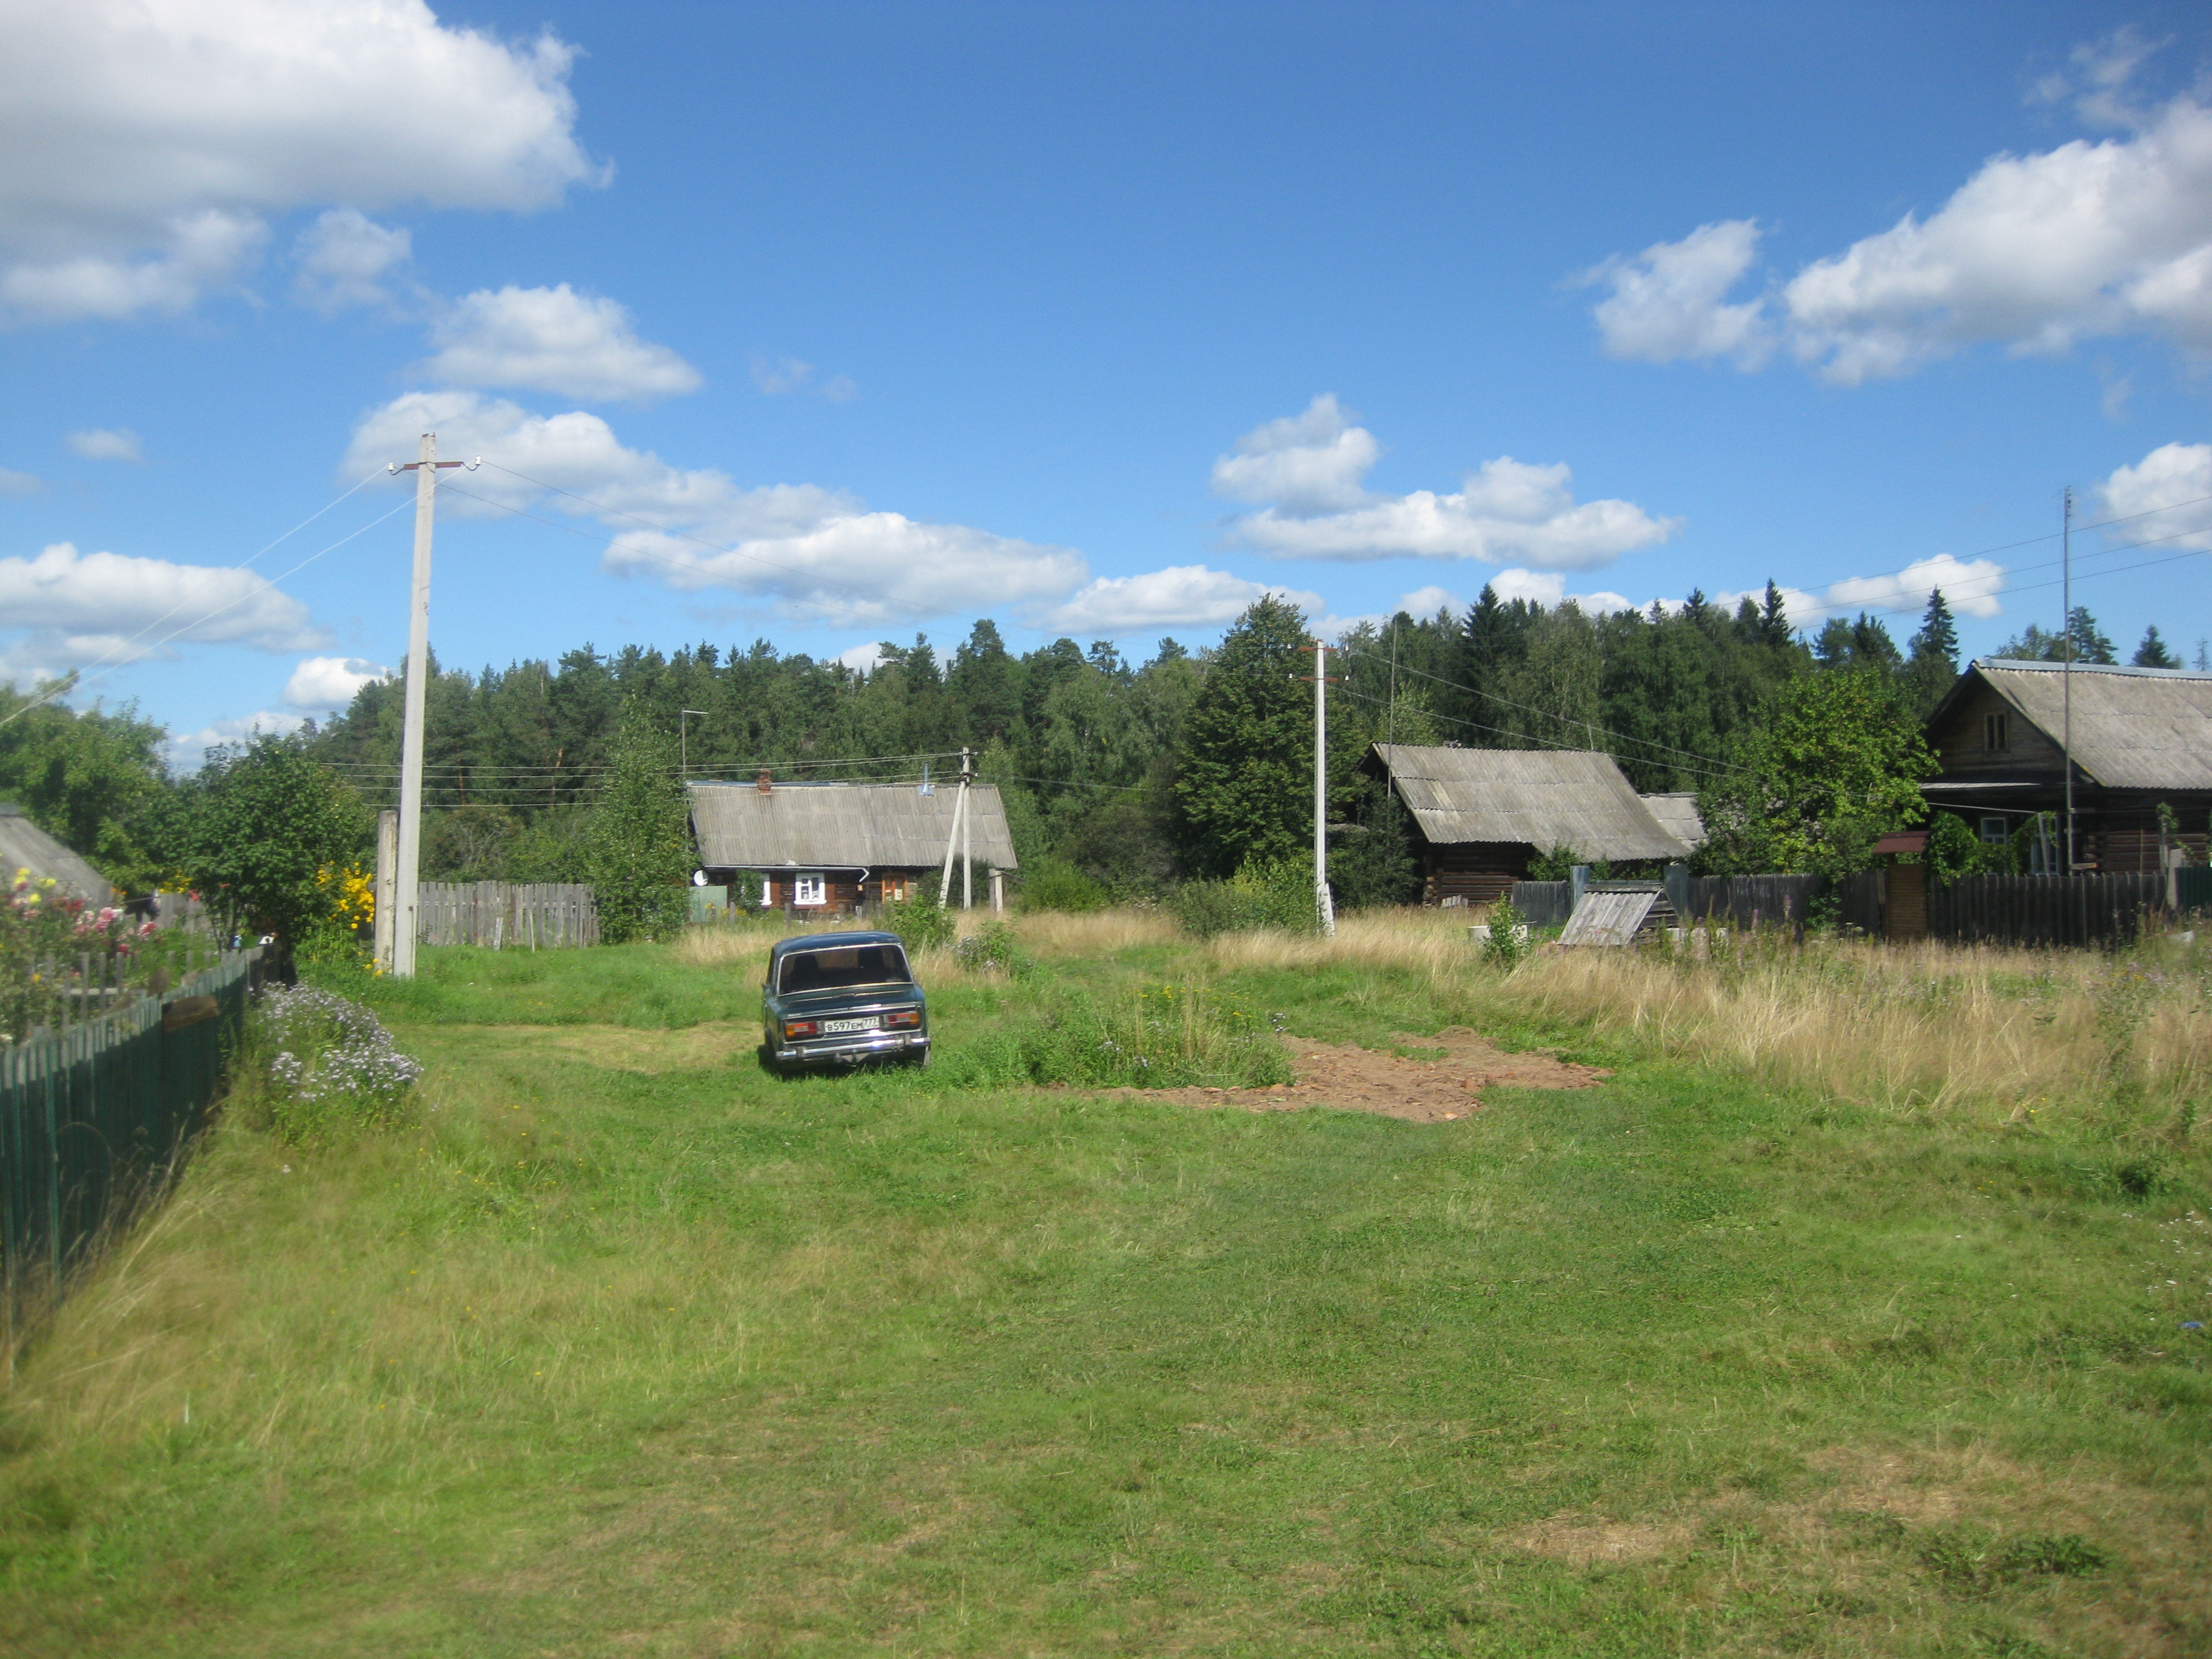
(93,1118)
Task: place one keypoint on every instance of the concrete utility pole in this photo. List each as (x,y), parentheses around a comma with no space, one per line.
(967,839)
(1324,906)
(405,924)
(2066,667)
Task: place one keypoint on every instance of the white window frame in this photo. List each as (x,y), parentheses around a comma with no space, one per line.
(807,891)
(2003,834)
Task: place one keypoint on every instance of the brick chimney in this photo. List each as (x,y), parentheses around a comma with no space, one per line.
(763,782)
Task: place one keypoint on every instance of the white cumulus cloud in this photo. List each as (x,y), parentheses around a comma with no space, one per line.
(1504,510)
(2033,252)
(343,259)
(331,682)
(553,339)
(1310,463)
(167,130)
(819,554)
(1669,302)
(1180,596)
(1970,587)
(2164,495)
(119,444)
(115,594)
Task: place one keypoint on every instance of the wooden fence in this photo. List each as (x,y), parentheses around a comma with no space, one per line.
(93,1119)
(2076,911)
(506,914)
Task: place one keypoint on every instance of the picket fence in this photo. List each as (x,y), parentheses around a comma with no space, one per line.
(506,914)
(93,1119)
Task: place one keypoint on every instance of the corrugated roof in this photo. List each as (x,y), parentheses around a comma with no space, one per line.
(1612,918)
(875,826)
(24,846)
(1678,816)
(1546,797)
(2133,728)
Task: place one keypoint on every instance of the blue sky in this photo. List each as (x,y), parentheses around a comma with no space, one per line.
(841,323)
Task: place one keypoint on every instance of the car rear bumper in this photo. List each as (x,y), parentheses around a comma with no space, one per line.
(852,1048)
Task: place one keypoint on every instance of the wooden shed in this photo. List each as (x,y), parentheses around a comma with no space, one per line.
(832,848)
(1484,813)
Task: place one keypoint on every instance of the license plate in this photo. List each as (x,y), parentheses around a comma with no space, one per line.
(832,1027)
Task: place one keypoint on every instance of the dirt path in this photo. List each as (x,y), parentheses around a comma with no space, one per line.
(1435,1088)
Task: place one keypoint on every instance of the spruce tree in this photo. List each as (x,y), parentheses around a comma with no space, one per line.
(2089,645)
(1938,635)
(1244,771)
(2152,651)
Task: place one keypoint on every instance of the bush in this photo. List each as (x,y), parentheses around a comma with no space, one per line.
(1504,948)
(1056,885)
(1161,1036)
(327,1067)
(993,950)
(1270,895)
(921,923)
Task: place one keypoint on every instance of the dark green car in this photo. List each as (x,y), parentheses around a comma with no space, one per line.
(840,999)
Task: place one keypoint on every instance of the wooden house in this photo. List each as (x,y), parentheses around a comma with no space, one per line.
(835,848)
(1482,814)
(2141,738)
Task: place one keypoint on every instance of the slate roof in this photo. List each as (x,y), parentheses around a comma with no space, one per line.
(1545,797)
(1678,816)
(24,845)
(2133,728)
(835,826)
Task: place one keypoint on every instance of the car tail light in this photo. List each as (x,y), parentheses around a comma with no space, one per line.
(798,1027)
(898,1017)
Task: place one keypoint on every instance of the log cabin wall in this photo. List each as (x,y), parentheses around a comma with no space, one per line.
(1473,873)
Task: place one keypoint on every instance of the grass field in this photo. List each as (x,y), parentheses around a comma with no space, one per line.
(1847,1317)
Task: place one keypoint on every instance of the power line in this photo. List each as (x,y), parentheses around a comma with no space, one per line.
(72,682)
(1705,770)
(1526,708)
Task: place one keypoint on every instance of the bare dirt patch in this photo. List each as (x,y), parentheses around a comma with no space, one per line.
(1585,1542)
(1446,1083)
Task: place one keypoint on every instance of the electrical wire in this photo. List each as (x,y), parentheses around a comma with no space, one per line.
(1526,709)
(72,682)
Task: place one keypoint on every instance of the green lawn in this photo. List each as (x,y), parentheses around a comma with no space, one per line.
(631,1348)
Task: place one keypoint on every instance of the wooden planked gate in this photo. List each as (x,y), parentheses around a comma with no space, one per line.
(521,916)
(2067,910)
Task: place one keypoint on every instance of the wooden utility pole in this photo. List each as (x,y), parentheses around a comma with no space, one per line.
(406,920)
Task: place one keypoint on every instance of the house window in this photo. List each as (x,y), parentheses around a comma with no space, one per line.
(1997,731)
(810,889)
(1993,829)
(768,895)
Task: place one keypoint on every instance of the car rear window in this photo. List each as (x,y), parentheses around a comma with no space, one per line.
(846,964)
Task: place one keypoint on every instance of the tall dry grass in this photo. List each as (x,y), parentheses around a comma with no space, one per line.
(1926,1026)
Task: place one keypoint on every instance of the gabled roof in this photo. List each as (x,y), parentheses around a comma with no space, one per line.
(1678,816)
(24,846)
(1545,797)
(840,826)
(2133,728)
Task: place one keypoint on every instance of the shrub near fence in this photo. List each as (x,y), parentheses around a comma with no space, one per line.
(506,914)
(93,1117)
